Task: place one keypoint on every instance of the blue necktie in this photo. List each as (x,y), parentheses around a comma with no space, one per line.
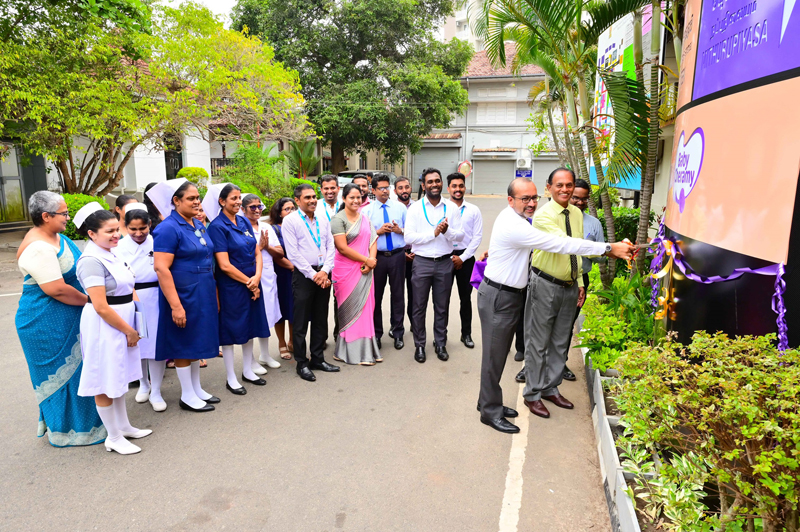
(389,246)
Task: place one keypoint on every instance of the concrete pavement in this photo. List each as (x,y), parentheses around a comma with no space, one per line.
(394,447)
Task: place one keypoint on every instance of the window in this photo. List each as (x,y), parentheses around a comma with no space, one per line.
(362,160)
(497,113)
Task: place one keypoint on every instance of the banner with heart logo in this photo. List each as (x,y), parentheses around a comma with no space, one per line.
(688,163)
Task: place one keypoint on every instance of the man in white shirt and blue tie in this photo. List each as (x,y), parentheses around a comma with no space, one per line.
(388,217)
(433,225)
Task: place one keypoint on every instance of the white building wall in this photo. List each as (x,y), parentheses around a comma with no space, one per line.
(145,166)
(196,151)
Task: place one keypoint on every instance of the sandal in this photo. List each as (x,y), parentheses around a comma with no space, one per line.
(285,353)
(171,364)
(290,347)
(203,363)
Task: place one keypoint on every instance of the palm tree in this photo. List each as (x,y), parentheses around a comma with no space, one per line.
(301,158)
(559,36)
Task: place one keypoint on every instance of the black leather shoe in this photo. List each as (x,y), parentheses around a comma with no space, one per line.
(568,375)
(419,355)
(258,381)
(467,341)
(500,425)
(507,412)
(213,400)
(184,406)
(520,376)
(378,341)
(391,335)
(519,356)
(324,366)
(398,343)
(236,391)
(441,352)
(306,374)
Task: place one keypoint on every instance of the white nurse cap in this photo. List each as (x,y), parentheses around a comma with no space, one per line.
(211,201)
(84,213)
(135,207)
(161,195)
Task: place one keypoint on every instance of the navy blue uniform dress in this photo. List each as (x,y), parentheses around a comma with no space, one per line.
(240,318)
(284,275)
(192,271)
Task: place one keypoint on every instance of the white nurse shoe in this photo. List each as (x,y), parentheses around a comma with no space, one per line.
(158,406)
(122,446)
(258,369)
(269,361)
(138,433)
(142,396)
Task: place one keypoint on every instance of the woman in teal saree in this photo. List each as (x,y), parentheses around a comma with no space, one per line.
(48,324)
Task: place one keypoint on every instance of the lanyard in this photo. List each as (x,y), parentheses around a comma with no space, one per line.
(335,210)
(462,210)
(317,240)
(426,213)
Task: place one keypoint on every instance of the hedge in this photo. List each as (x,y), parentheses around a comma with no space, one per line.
(74,204)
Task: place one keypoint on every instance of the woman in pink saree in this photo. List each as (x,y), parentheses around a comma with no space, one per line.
(356,249)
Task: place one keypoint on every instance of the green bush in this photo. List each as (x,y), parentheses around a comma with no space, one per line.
(74,204)
(195,174)
(287,191)
(616,319)
(729,407)
(626,222)
(613,195)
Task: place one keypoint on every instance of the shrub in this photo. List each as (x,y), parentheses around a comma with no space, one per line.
(195,174)
(616,319)
(732,404)
(626,222)
(613,195)
(287,191)
(74,204)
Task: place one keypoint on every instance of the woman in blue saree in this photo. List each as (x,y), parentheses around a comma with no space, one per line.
(48,324)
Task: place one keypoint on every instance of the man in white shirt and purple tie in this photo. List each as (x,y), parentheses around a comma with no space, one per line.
(501,295)
(309,243)
(433,225)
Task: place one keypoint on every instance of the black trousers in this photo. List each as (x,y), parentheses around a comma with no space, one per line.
(431,278)
(462,278)
(409,291)
(392,269)
(310,307)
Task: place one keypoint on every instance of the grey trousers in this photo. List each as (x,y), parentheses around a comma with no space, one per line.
(548,328)
(436,277)
(499,312)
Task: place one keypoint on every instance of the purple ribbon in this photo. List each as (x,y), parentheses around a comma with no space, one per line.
(778,270)
(477,273)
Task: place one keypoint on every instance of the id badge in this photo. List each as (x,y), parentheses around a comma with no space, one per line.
(320,260)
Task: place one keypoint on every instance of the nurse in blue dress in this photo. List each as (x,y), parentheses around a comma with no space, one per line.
(242,316)
(184,259)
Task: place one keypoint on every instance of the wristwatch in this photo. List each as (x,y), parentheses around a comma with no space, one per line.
(608,249)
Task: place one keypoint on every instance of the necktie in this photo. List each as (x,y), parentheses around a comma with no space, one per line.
(573,260)
(389,246)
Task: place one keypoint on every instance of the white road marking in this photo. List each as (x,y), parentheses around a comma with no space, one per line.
(512,498)
(14,294)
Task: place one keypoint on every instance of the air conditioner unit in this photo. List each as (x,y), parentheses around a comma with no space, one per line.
(525,162)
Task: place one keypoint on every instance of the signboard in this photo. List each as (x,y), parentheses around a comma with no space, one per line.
(524,173)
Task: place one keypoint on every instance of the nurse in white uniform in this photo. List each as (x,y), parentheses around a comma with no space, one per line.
(108,335)
(252,208)
(136,250)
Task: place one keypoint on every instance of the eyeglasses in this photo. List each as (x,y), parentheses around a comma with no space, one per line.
(65,214)
(255,208)
(527,199)
(576,199)
(383,189)
(199,235)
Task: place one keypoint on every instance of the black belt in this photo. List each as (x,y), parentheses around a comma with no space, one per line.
(504,287)
(548,277)
(390,253)
(458,251)
(142,286)
(316,268)
(434,259)
(117,300)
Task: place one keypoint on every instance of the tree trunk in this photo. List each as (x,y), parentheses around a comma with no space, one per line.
(649,177)
(337,158)
(561,158)
(605,200)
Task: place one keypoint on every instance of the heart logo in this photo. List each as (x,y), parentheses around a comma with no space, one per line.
(688,163)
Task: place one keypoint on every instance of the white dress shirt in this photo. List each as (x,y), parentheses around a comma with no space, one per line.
(299,237)
(512,241)
(472,223)
(421,221)
(328,211)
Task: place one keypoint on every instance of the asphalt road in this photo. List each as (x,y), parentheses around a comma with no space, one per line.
(394,447)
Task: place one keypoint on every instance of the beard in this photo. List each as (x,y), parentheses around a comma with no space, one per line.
(404,196)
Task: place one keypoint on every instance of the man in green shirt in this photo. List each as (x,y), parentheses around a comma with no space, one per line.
(555,289)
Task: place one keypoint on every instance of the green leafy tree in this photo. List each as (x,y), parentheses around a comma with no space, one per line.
(87,104)
(373,75)
(301,158)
